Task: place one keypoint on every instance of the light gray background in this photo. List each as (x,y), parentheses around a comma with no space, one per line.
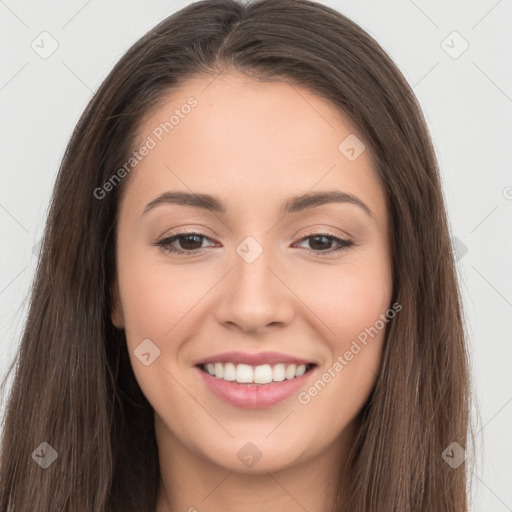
(467,102)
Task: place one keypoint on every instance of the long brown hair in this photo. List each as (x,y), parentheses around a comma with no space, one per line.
(74,387)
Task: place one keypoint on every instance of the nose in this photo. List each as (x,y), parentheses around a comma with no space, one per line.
(254,296)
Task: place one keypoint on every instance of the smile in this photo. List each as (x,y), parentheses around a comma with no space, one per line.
(260,375)
(249,393)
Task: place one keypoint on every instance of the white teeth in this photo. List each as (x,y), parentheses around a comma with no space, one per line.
(300,370)
(278,373)
(219,370)
(290,371)
(262,374)
(229,372)
(244,373)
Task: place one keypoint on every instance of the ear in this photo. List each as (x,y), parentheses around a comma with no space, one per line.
(116,314)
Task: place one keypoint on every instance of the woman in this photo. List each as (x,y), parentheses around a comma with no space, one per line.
(311,355)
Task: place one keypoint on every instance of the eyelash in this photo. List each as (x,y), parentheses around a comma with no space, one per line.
(164,244)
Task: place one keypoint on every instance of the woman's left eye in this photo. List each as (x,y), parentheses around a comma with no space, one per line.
(189,242)
(322,239)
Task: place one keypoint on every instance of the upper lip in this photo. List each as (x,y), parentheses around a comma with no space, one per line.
(255,359)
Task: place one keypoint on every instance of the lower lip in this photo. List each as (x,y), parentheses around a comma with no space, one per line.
(254,396)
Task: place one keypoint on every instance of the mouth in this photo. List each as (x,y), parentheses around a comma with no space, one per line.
(258,387)
(260,375)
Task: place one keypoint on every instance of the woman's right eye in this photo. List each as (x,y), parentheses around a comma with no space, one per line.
(191,239)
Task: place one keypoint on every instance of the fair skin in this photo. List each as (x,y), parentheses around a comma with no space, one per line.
(253,145)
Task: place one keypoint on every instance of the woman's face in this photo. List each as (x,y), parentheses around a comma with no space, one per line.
(257,278)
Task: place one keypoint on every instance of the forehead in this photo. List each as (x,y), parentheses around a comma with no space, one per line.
(233,136)
(235,112)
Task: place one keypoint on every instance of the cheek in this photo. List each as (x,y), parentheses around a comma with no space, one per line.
(356,313)
(147,312)
(158,305)
(354,303)
(349,298)
(157,300)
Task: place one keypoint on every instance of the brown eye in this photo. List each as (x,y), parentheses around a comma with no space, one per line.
(321,243)
(188,243)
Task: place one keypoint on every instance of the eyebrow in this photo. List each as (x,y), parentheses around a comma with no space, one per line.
(293,205)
